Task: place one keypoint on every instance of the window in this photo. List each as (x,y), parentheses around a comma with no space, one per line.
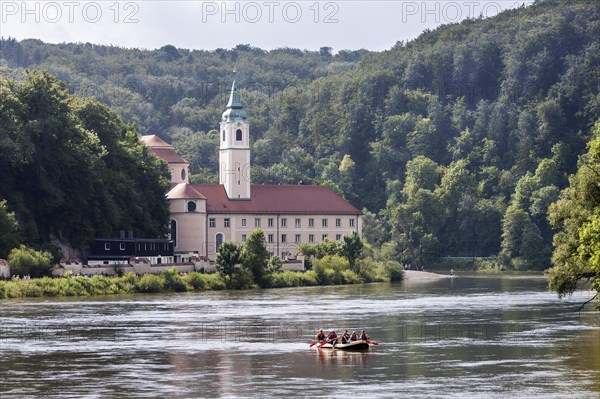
(284,238)
(182,174)
(311,222)
(297,239)
(283,255)
(257,222)
(270,222)
(351,222)
(191,206)
(219,240)
(311,238)
(243,222)
(324,237)
(223,135)
(107,246)
(298,223)
(122,246)
(324,222)
(338,237)
(226,222)
(271,254)
(243,237)
(270,238)
(283,222)
(212,222)
(238,135)
(338,222)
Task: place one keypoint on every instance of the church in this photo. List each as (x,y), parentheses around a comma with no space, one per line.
(203,216)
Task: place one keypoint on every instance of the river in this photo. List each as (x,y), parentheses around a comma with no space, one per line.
(476,336)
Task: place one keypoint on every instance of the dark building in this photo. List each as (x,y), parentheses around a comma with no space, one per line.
(109,251)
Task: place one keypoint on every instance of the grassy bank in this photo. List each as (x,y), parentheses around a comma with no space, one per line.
(328,271)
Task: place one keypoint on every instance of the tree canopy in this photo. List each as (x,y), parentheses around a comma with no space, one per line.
(72,170)
(576,216)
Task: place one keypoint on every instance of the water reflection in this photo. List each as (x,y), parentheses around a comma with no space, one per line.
(473,336)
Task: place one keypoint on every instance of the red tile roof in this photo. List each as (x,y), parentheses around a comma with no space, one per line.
(184,191)
(273,199)
(168,154)
(162,149)
(153,141)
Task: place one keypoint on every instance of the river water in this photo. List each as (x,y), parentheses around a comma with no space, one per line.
(471,337)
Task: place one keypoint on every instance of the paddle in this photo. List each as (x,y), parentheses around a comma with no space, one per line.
(372,342)
(313,344)
(321,344)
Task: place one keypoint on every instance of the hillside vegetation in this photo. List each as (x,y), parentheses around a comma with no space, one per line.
(456,142)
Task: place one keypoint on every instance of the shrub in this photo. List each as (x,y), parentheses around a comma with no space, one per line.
(393,270)
(150,283)
(26,261)
(196,280)
(214,282)
(173,281)
(350,277)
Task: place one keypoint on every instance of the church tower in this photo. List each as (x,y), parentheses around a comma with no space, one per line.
(234,151)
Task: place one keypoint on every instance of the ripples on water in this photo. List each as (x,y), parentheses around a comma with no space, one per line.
(488,337)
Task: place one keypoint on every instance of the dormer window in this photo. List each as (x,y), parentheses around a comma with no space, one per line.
(238,135)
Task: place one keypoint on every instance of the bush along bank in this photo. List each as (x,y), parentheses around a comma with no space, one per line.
(327,271)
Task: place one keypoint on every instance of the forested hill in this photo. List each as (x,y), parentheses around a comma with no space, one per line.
(459,139)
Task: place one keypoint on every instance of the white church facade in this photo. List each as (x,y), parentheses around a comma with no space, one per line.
(203,216)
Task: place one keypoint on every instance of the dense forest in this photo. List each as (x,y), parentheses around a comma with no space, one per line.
(72,170)
(455,143)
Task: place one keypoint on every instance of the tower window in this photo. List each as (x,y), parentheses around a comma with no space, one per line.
(182,174)
(223,135)
(173,233)
(191,206)
(238,135)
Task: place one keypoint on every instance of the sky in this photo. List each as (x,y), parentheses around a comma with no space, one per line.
(207,25)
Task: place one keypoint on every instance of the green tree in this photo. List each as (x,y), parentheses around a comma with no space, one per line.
(351,249)
(274,265)
(9,230)
(228,259)
(27,261)
(575,216)
(255,256)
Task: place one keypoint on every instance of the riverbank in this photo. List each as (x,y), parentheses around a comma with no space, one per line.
(172,281)
(415,276)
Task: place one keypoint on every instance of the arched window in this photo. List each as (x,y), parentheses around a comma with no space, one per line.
(223,135)
(238,135)
(182,174)
(191,206)
(174,232)
(219,240)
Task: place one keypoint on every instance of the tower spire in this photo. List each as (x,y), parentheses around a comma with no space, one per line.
(234,97)
(235,110)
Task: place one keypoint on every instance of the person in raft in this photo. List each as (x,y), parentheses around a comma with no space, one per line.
(345,337)
(320,336)
(363,336)
(353,337)
(332,338)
